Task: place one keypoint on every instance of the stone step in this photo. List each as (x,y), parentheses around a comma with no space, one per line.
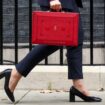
(55,77)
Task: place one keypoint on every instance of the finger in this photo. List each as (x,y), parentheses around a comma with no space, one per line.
(56,7)
(53,7)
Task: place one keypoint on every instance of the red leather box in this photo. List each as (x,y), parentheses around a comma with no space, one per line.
(55,28)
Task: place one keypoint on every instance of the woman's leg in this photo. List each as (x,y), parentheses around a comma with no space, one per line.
(74,57)
(24,67)
(33,58)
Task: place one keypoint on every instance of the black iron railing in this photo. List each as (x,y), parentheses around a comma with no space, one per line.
(61,52)
(91,32)
(1,31)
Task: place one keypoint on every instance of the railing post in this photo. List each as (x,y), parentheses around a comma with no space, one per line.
(30,24)
(16,31)
(61,56)
(91,32)
(1,32)
(104,30)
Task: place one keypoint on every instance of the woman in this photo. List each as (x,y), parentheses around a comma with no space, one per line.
(74,57)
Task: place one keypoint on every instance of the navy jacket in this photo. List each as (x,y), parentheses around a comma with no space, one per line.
(70,4)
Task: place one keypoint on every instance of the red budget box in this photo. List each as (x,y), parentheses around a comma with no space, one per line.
(55,28)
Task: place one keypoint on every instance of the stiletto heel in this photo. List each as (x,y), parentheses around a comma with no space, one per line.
(6,73)
(74,92)
(72,97)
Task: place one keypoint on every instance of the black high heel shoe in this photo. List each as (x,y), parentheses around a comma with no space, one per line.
(74,92)
(6,73)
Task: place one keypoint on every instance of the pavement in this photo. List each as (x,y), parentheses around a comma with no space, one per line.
(47,97)
(48,85)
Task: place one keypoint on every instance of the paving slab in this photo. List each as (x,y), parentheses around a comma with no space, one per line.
(19,94)
(55,98)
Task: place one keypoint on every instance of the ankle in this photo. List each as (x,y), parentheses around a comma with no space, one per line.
(15,74)
(78,84)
